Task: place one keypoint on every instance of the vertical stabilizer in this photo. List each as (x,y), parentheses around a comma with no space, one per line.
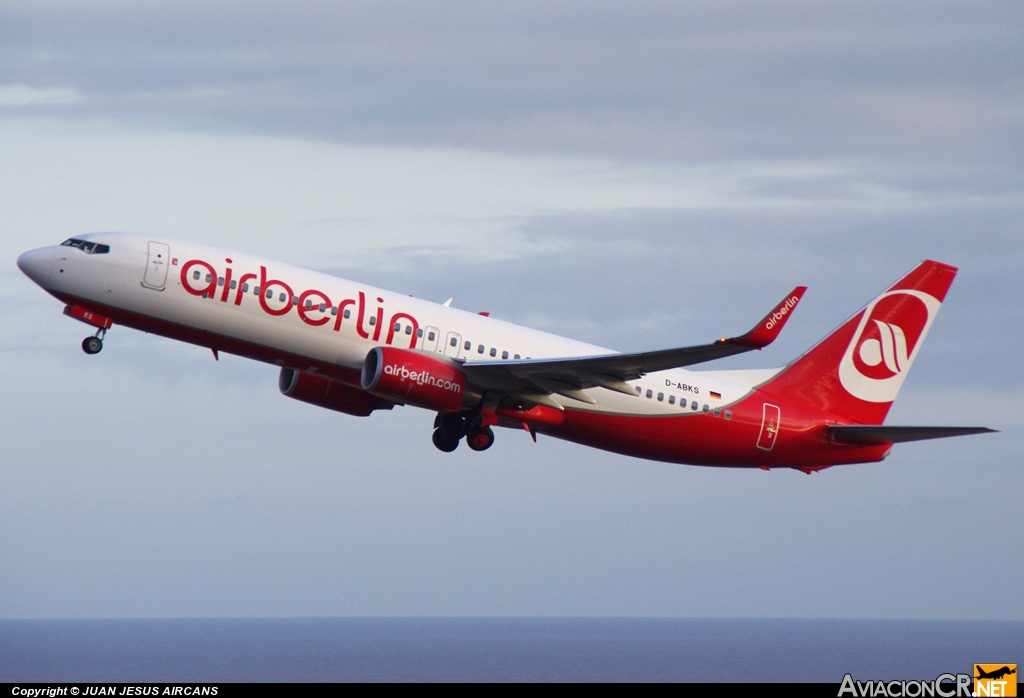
(856,372)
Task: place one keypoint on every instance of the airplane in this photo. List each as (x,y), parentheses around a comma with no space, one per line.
(995,674)
(355,349)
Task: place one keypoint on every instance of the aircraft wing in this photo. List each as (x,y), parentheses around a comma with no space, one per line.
(878,434)
(535,379)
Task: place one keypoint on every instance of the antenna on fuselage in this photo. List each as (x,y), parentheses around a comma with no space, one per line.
(448,303)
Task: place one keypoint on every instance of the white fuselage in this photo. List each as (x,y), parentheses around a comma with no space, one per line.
(344,319)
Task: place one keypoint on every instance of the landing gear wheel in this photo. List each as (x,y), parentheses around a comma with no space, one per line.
(443,441)
(480,439)
(453,425)
(92,345)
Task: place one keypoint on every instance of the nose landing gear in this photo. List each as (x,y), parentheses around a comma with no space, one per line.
(93,345)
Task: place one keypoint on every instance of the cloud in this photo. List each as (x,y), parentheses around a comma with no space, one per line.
(922,81)
(18,95)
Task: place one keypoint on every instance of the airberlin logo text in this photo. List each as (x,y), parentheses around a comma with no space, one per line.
(421,378)
(945,686)
(276,298)
(781,312)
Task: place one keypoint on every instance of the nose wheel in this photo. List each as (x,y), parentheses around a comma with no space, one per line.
(93,345)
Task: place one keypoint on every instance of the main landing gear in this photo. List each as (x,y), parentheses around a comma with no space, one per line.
(93,345)
(450,428)
(480,438)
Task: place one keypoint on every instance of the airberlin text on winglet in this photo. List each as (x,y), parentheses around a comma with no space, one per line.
(781,312)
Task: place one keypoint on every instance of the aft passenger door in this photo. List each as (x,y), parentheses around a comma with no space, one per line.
(156,266)
(451,345)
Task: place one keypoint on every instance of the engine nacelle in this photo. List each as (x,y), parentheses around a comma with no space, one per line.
(324,392)
(413,378)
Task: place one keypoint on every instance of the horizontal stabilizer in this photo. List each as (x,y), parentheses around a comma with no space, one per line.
(872,434)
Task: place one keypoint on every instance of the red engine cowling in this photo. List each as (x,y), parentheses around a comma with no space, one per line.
(413,378)
(324,392)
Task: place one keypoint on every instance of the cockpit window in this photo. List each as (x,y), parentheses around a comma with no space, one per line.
(87,247)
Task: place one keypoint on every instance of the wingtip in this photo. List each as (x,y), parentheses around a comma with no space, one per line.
(771,324)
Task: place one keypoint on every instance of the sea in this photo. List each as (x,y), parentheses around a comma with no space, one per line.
(223,650)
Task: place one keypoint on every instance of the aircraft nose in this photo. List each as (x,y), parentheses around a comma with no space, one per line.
(37,264)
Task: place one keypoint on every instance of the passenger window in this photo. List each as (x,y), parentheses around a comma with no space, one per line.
(466,346)
(295,300)
(234,285)
(706,408)
(454,342)
(480,349)
(516,357)
(717,412)
(323,307)
(195,275)
(256,291)
(661,397)
(373,321)
(419,333)
(398,327)
(494,352)
(334,310)
(728,414)
(504,355)
(209,278)
(408,330)
(430,337)
(282,298)
(309,304)
(650,393)
(671,399)
(347,313)
(270,294)
(220,281)
(639,390)
(694,405)
(245,288)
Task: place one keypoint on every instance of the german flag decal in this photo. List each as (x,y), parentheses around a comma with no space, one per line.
(717,396)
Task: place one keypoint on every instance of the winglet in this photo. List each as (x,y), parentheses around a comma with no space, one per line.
(765,332)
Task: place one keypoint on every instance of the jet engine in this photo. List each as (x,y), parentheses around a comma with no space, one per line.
(324,392)
(413,378)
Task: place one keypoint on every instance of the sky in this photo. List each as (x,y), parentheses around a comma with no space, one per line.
(638,176)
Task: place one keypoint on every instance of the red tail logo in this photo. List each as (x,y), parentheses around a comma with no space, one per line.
(885,343)
(857,370)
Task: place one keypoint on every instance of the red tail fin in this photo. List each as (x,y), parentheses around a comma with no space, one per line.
(855,372)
